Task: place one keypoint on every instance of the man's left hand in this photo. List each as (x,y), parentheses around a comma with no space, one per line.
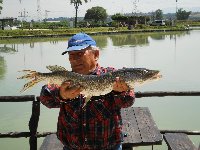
(120,85)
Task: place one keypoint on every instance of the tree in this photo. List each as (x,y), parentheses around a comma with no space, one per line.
(182,14)
(119,17)
(97,14)
(76,5)
(158,14)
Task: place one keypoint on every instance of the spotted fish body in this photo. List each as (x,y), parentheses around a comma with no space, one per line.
(92,85)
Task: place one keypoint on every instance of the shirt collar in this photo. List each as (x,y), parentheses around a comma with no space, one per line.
(97,70)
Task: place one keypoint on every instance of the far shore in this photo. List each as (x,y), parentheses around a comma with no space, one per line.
(47,33)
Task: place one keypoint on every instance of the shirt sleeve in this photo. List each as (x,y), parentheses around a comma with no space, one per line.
(50,96)
(123,99)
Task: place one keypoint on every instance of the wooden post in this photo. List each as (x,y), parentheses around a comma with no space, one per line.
(33,124)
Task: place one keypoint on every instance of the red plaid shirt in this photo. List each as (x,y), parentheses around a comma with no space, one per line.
(97,126)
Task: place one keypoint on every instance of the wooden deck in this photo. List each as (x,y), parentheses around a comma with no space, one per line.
(178,141)
(139,129)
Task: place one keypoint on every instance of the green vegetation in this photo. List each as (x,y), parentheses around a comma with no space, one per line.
(96,21)
(188,22)
(46,25)
(70,31)
(182,14)
(158,14)
(2,67)
(96,15)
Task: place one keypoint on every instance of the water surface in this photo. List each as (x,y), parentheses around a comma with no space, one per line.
(175,54)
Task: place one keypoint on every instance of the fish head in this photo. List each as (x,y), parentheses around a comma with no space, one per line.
(146,75)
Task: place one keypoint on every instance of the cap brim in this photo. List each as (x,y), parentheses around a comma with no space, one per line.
(75,48)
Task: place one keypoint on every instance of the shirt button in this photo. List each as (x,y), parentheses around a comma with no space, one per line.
(84,124)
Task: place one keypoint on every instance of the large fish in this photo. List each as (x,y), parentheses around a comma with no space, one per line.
(92,85)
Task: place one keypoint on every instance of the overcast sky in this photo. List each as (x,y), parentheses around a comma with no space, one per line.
(62,8)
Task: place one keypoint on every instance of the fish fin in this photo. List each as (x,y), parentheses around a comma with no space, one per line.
(87,99)
(131,86)
(56,68)
(30,84)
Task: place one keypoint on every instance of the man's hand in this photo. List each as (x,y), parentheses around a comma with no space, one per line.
(67,92)
(120,86)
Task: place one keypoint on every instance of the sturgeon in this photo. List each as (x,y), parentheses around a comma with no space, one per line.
(91,85)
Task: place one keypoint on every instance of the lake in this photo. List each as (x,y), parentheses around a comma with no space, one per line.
(175,54)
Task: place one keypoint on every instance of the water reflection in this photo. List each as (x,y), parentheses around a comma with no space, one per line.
(129,39)
(8,49)
(2,67)
(101,41)
(132,39)
(163,35)
(158,36)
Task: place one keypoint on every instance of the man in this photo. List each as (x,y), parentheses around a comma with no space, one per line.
(96,125)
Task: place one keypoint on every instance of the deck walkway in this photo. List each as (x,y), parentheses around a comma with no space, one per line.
(139,129)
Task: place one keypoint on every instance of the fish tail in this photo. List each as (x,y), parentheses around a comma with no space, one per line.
(34,76)
(29,74)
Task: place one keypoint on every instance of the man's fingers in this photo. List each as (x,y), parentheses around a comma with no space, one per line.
(117,79)
(69,92)
(73,88)
(65,84)
(119,85)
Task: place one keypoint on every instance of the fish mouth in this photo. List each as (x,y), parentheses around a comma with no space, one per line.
(156,76)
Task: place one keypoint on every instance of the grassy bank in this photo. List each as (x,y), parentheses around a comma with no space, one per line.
(70,31)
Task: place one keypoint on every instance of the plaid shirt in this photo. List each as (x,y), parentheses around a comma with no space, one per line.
(97,126)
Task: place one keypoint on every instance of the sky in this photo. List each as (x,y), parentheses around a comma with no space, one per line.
(63,8)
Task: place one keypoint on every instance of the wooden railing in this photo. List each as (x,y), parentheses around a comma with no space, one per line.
(34,119)
(33,122)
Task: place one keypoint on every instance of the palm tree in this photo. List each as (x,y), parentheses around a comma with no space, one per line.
(76,5)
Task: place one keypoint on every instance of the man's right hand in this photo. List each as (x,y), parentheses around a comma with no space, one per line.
(67,92)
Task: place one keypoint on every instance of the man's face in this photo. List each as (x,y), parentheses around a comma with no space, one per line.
(83,61)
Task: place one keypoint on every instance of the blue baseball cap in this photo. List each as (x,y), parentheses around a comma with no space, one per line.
(78,42)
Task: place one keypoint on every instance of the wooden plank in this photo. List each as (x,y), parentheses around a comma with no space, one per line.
(188,132)
(51,142)
(178,141)
(150,134)
(14,134)
(166,93)
(130,128)
(24,98)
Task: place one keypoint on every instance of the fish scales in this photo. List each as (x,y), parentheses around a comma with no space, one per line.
(92,85)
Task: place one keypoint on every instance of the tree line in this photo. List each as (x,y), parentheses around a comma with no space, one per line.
(97,16)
